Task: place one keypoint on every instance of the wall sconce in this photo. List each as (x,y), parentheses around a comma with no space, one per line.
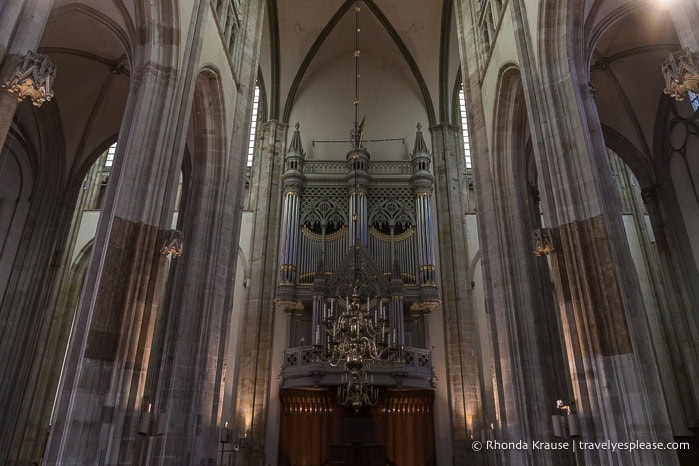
(542,242)
(172,246)
(33,78)
(681,72)
(151,424)
(565,423)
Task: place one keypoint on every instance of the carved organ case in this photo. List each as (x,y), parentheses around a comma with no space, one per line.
(344,221)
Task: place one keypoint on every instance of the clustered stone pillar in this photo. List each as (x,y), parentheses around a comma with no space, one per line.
(253,382)
(612,365)
(21,26)
(457,365)
(678,321)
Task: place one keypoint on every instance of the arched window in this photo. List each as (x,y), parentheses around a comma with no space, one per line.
(464,127)
(253,125)
(110,156)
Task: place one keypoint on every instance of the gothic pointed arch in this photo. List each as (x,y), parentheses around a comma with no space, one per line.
(393,34)
(174,386)
(524,315)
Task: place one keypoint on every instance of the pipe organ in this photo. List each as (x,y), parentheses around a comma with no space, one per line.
(324,233)
(330,211)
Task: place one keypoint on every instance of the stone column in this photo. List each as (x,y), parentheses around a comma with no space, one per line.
(254,382)
(678,321)
(613,368)
(28,276)
(102,394)
(456,364)
(186,385)
(22,24)
(33,419)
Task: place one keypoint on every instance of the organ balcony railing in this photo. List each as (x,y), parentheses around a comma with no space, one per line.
(408,367)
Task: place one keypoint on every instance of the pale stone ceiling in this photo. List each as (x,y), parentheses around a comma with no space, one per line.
(300,22)
(92,81)
(92,57)
(625,65)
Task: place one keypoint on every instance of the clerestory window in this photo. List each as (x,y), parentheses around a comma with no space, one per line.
(253,125)
(464,127)
(110,156)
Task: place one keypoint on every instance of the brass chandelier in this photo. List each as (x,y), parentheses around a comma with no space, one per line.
(356,336)
(356,331)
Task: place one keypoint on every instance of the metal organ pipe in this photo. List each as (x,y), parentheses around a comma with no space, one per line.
(289,238)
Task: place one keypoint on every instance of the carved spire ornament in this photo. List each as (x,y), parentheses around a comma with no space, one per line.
(33,79)
(681,72)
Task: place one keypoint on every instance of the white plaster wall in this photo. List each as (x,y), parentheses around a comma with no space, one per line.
(86,231)
(472,236)
(187,15)
(241,284)
(391,103)
(489,395)
(533,9)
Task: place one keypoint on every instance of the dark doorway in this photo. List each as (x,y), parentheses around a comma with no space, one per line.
(315,430)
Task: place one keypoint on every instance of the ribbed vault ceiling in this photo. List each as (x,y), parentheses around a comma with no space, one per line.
(414,49)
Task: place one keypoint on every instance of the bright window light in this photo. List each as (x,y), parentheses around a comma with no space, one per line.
(110,155)
(253,125)
(464,127)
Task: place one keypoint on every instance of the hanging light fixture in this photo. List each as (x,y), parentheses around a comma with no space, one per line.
(173,244)
(542,242)
(33,78)
(356,336)
(355,331)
